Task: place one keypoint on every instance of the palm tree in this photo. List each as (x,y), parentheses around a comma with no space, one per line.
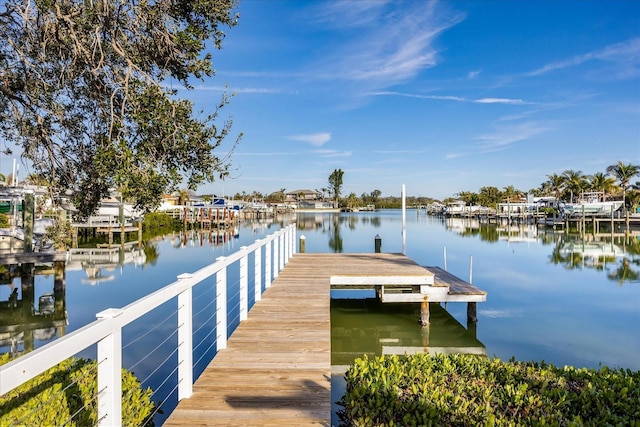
(634,195)
(556,184)
(511,193)
(575,181)
(623,173)
(601,182)
(183,197)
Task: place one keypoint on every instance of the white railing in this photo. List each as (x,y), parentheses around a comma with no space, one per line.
(106,332)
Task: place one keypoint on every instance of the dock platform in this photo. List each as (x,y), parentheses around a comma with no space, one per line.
(276,369)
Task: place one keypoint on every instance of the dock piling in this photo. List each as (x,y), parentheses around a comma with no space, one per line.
(303,243)
(472,316)
(424,312)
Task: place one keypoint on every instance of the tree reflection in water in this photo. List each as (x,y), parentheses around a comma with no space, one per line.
(618,256)
(335,239)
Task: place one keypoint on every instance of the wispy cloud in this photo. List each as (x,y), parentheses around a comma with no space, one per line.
(398,151)
(499,101)
(626,53)
(504,136)
(473,74)
(236,90)
(394,41)
(350,13)
(332,153)
(456,155)
(264,153)
(500,139)
(316,139)
(512,101)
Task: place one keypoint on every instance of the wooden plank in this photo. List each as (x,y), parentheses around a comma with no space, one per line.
(456,285)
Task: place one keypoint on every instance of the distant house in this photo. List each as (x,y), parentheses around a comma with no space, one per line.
(301,195)
(317,204)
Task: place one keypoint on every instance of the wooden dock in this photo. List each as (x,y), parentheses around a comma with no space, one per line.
(276,369)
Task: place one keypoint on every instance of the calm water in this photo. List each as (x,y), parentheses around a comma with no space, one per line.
(551,297)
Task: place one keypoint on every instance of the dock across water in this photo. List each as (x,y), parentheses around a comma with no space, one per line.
(276,369)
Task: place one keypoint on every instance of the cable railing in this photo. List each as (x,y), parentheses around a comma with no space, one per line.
(268,256)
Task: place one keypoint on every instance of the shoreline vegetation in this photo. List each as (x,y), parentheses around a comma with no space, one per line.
(458,389)
(615,184)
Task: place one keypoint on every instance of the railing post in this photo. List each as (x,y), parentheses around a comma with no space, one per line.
(294,239)
(276,255)
(110,374)
(282,252)
(285,246)
(287,240)
(257,269)
(267,263)
(221,306)
(244,285)
(185,341)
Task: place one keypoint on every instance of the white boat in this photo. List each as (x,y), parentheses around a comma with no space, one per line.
(591,204)
(459,207)
(593,208)
(11,240)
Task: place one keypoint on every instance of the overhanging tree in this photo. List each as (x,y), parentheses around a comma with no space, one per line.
(83,91)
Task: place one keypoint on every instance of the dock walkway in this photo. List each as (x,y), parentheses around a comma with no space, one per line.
(276,369)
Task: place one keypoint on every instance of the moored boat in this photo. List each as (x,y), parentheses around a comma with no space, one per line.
(591,204)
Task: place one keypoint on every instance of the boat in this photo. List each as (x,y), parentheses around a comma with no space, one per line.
(11,240)
(460,208)
(591,204)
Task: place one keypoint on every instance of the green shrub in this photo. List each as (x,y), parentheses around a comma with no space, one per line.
(58,396)
(465,390)
(157,220)
(4,220)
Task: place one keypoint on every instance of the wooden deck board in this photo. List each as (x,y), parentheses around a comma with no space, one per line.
(276,369)
(456,285)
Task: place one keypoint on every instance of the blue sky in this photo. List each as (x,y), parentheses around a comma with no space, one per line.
(440,96)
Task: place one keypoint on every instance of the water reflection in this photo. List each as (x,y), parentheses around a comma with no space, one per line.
(368,326)
(25,318)
(100,262)
(203,237)
(618,256)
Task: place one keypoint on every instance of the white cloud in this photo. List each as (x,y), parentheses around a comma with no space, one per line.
(498,101)
(473,74)
(450,156)
(512,101)
(626,53)
(398,151)
(266,154)
(332,153)
(507,135)
(316,139)
(349,13)
(235,90)
(394,41)
(419,96)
